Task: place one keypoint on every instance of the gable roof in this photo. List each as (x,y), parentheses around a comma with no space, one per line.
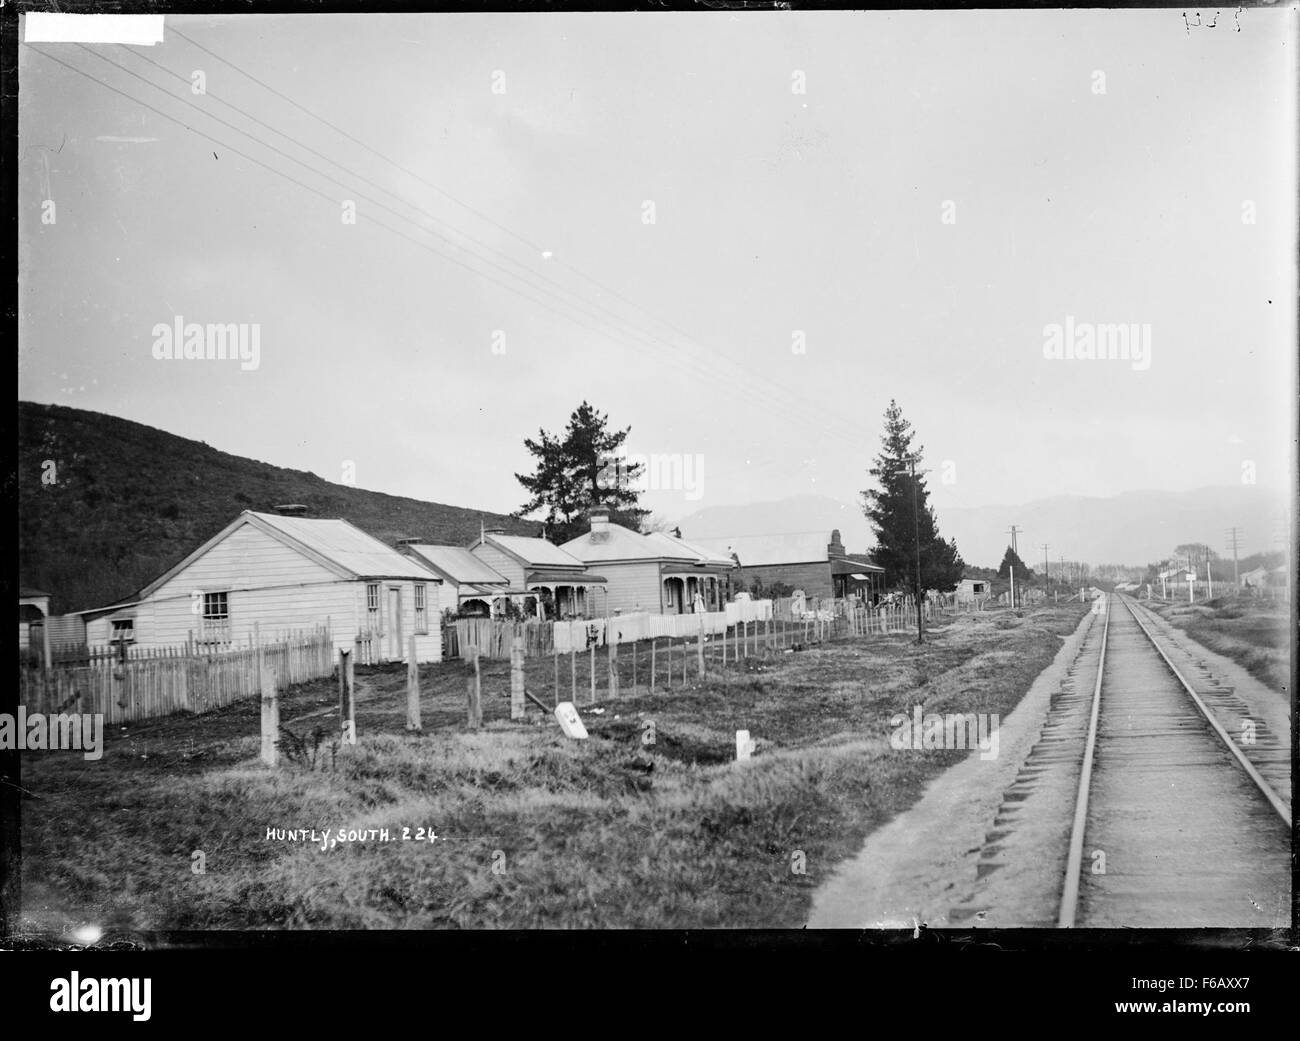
(799,547)
(531,551)
(336,545)
(456,564)
(624,544)
(706,554)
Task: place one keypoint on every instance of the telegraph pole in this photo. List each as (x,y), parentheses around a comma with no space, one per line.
(1011,568)
(1232,544)
(916,531)
(1047,572)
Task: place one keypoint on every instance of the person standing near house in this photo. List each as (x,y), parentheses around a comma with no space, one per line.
(698,604)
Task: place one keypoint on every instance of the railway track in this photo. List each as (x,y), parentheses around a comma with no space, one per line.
(1152,797)
(1181,818)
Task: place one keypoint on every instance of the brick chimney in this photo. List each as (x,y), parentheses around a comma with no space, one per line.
(598,517)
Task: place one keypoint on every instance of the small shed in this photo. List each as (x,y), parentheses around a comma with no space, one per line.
(1255,578)
(973,590)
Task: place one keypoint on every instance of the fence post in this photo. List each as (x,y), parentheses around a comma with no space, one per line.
(347,722)
(699,647)
(593,672)
(343,692)
(555,660)
(653,642)
(413,691)
(611,649)
(517,678)
(573,670)
(633,666)
(473,691)
(270,719)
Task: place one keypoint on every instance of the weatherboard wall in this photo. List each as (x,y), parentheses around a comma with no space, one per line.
(502,563)
(277,589)
(632,586)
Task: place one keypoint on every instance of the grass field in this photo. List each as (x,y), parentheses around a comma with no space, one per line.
(1253,633)
(533,829)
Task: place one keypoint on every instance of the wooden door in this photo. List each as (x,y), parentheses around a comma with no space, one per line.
(394,634)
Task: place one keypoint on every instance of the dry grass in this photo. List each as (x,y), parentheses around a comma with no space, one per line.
(533,830)
(1253,633)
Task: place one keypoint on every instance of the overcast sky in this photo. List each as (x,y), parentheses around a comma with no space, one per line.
(775,213)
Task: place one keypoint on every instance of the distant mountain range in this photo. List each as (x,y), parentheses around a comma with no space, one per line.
(1131,528)
(107,505)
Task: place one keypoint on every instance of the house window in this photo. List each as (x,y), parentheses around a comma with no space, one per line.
(123,629)
(421,623)
(372,607)
(216,617)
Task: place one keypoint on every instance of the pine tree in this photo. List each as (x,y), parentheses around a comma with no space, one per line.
(1023,574)
(577,470)
(899,507)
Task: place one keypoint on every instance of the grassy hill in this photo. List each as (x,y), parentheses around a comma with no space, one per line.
(129,501)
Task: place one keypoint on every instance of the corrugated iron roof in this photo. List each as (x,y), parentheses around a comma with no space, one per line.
(564,578)
(703,553)
(534,550)
(458,564)
(622,543)
(473,591)
(346,546)
(803,547)
(847,565)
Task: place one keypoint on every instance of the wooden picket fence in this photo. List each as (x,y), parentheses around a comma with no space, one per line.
(494,637)
(366,648)
(150,684)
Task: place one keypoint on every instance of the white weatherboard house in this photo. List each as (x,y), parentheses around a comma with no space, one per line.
(652,572)
(535,565)
(467,581)
(285,574)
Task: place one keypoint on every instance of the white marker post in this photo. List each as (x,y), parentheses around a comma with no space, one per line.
(570,722)
(744,746)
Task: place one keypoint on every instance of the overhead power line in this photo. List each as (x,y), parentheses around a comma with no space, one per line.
(524,240)
(617,332)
